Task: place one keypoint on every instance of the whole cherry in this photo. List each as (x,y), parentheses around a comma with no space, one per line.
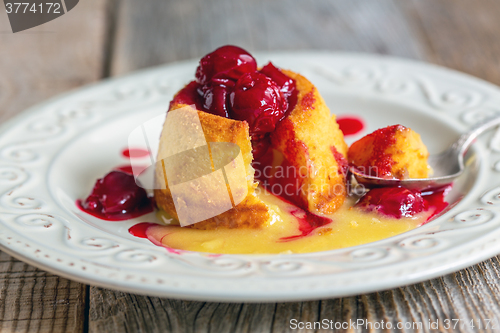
(286,84)
(227,62)
(215,99)
(115,193)
(394,202)
(257,99)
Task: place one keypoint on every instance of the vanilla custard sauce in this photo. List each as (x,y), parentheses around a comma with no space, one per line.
(283,234)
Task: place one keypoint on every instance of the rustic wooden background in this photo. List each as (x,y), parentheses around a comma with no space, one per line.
(101,38)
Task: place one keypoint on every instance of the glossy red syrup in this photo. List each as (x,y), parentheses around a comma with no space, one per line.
(140,229)
(398,202)
(135,153)
(127,168)
(435,200)
(117,197)
(287,85)
(350,125)
(260,146)
(189,95)
(257,99)
(287,183)
(308,222)
(283,180)
(215,97)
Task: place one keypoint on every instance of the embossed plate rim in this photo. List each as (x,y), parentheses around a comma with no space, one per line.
(258,278)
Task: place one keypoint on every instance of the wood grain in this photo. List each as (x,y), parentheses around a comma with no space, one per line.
(151,33)
(50,59)
(35,65)
(471,294)
(462,35)
(32,300)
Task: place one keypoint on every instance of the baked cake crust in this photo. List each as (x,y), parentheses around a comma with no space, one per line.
(308,137)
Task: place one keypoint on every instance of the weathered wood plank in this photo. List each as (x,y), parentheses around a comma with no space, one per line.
(32,300)
(151,33)
(50,59)
(466,295)
(35,65)
(462,35)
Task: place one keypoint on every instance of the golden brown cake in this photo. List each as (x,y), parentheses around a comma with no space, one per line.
(310,139)
(251,212)
(306,139)
(391,152)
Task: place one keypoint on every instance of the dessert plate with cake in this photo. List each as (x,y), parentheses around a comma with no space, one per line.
(228,178)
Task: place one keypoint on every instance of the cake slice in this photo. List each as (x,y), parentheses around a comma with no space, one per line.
(311,141)
(289,141)
(251,212)
(391,152)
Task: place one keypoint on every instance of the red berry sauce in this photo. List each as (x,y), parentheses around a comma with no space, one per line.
(287,85)
(282,177)
(140,229)
(308,222)
(350,125)
(189,95)
(117,197)
(135,153)
(435,200)
(398,202)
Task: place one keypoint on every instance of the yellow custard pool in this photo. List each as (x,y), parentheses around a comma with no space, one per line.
(285,233)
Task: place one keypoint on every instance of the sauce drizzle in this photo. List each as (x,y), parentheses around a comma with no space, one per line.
(350,125)
(135,153)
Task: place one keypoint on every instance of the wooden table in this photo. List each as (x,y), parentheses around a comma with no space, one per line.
(101,38)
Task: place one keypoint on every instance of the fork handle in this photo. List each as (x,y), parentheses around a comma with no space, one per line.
(466,139)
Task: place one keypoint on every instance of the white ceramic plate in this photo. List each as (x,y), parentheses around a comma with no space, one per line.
(52,154)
